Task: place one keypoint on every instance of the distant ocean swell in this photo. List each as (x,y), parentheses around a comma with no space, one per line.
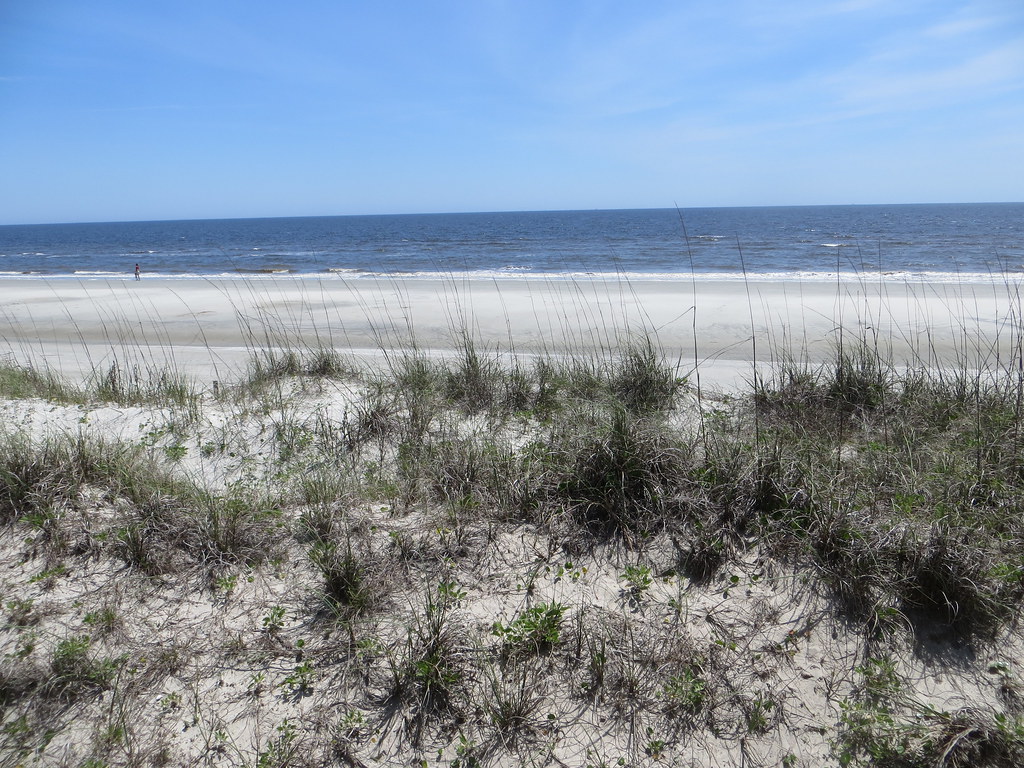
(933,243)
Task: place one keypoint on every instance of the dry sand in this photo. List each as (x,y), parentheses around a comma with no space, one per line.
(209,328)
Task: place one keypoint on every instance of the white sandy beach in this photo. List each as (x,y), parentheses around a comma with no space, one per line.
(209,328)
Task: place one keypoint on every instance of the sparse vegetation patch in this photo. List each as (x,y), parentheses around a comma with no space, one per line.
(483,559)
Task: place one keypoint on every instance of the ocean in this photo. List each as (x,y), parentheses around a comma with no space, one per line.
(947,242)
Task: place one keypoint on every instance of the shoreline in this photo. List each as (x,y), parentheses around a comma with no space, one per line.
(344,274)
(209,328)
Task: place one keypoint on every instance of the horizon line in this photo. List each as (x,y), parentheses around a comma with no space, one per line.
(493,212)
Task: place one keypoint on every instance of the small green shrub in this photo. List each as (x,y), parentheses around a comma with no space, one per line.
(535,630)
(281,750)
(684,694)
(638,578)
(300,680)
(273,621)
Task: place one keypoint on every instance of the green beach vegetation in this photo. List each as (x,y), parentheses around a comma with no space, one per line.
(481,559)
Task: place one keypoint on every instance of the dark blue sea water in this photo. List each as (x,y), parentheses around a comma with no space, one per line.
(928,242)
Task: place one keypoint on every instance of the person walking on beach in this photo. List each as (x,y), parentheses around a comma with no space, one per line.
(138,273)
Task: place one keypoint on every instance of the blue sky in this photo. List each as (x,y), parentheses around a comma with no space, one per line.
(123,110)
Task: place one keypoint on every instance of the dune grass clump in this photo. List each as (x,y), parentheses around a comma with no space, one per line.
(270,365)
(864,471)
(474,381)
(615,475)
(134,385)
(431,671)
(37,479)
(641,380)
(469,474)
(902,486)
(75,668)
(196,529)
(139,385)
(23,381)
(884,724)
(477,381)
(512,698)
(351,585)
(159,522)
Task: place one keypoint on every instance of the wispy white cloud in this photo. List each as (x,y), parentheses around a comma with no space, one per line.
(922,63)
(604,65)
(958,28)
(897,84)
(893,79)
(725,56)
(770,70)
(792,17)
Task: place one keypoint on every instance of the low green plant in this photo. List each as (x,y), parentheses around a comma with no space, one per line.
(571,571)
(281,750)
(274,620)
(254,685)
(760,714)
(102,621)
(300,680)
(655,747)
(21,612)
(684,694)
(467,754)
(226,583)
(171,702)
(879,679)
(535,630)
(351,724)
(175,452)
(75,670)
(48,575)
(26,645)
(638,578)
(451,592)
